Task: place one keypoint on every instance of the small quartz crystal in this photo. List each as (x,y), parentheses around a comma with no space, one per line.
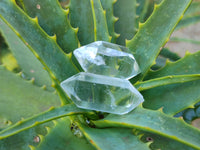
(102,93)
(107,59)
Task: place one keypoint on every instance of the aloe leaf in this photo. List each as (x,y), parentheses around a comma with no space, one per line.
(189,64)
(51,114)
(54,22)
(145,85)
(192,15)
(121,138)
(80,15)
(142,9)
(177,39)
(108,7)
(23,98)
(155,32)
(100,24)
(61,137)
(126,26)
(177,97)
(44,47)
(31,66)
(159,142)
(155,122)
(22,140)
(188,21)
(165,52)
(173,98)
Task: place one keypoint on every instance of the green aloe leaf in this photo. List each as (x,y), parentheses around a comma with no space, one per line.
(165,52)
(44,47)
(80,15)
(159,142)
(62,136)
(145,85)
(126,26)
(178,39)
(100,24)
(108,7)
(192,15)
(176,97)
(173,98)
(51,114)
(31,66)
(121,138)
(21,99)
(142,9)
(155,32)
(22,140)
(54,22)
(155,122)
(189,64)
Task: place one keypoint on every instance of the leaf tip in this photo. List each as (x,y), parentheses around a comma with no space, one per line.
(31,147)
(160,109)
(54,37)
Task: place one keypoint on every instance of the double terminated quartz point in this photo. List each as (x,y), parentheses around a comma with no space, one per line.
(103,87)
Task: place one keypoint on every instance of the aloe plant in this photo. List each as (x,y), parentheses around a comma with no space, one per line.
(37,41)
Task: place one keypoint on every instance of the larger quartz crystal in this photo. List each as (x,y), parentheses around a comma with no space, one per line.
(102,93)
(107,59)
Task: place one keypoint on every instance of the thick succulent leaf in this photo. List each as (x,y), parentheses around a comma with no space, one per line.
(178,39)
(54,20)
(20,98)
(145,85)
(80,15)
(173,98)
(126,26)
(160,62)
(100,24)
(142,9)
(51,114)
(154,33)
(165,52)
(21,141)
(159,142)
(61,137)
(155,122)
(177,97)
(113,138)
(43,46)
(30,65)
(192,15)
(108,7)
(189,64)
(188,21)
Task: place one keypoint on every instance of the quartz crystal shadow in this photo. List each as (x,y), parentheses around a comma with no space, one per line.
(107,59)
(102,93)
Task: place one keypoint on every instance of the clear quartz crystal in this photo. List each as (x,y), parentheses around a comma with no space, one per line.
(107,59)
(102,93)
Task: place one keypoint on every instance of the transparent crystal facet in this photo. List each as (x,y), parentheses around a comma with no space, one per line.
(102,93)
(107,59)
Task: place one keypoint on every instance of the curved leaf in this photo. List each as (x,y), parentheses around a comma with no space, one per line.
(145,85)
(100,24)
(21,99)
(31,66)
(108,7)
(154,33)
(126,26)
(113,138)
(49,115)
(54,22)
(43,46)
(61,137)
(80,15)
(155,122)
